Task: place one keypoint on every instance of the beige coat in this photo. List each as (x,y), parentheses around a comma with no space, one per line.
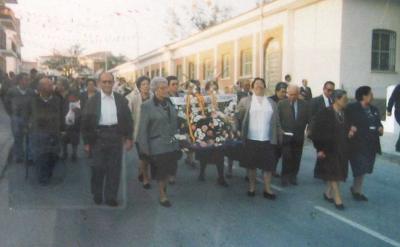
(135,101)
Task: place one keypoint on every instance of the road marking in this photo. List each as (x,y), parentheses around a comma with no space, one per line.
(358,226)
(273,186)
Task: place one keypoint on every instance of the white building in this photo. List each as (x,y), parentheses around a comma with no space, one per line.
(350,42)
(10,40)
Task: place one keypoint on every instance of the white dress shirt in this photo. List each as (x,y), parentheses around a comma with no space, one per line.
(326,100)
(108,115)
(260,115)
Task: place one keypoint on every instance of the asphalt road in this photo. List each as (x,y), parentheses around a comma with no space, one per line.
(203,214)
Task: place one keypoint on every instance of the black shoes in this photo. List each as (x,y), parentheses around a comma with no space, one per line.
(328,199)
(97,200)
(147,186)
(358,196)
(222,182)
(339,206)
(269,196)
(165,204)
(251,193)
(112,203)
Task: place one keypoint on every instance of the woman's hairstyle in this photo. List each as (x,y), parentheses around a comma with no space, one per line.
(258,79)
(156,82)
(280,85)
(362,91)
(338,94)
(91,80)
(140,80)
(209,84)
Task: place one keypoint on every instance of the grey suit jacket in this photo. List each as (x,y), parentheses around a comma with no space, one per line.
(157,128)
(243,110)
(288,123)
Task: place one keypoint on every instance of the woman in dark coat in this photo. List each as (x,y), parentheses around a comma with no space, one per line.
(365,144)
(330,135)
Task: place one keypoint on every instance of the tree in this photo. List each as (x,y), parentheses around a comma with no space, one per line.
(185,19)
(114,61)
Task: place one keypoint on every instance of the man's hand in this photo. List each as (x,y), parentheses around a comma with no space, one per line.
(352,131)
(128,145)
(87,148)
(381,130)
(321,155)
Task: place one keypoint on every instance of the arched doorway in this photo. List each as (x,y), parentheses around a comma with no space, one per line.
(272,63)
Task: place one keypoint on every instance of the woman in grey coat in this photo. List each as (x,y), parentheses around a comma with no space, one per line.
(156,136)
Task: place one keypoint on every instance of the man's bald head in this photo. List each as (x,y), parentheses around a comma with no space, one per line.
(293,92)
(45,86)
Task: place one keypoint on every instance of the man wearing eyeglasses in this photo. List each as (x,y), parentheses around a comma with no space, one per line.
(106,127)
(324,100)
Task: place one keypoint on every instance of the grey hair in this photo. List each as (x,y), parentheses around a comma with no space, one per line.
(338,94)
(156,82)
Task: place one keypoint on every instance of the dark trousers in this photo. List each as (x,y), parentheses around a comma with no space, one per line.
(398,144)
(106,167)
(291,158)
(45,164)
(212,156)
(19,130)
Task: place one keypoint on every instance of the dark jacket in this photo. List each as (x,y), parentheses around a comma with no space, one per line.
(91,117)
(306,93)
(357,117)
(289,124)
(394,100)
(316,105)
(46,116)
(17,104)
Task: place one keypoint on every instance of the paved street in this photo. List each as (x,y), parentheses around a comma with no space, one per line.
(203,214)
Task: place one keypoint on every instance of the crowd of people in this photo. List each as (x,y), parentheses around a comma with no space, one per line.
(110,115)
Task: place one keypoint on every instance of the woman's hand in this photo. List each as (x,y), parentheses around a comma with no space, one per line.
(352,132)
(321,155)
(381,131)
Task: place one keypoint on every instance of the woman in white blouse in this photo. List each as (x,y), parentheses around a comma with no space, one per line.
(260,127)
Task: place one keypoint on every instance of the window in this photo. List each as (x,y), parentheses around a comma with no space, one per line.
(179,71)
(3,42)
(383,50)
(246,62)
(226,69)
(163,72)
(191,71)
(153,74)
(208,70)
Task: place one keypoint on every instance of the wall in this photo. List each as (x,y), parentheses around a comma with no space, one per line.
(360,17)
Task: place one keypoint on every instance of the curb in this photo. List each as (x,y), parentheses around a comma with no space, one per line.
(395,158)
(5,155)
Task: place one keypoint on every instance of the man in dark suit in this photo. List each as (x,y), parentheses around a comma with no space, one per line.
(394,100)
(17,103)
(106,125)
(294,117)
(305,91)
(323,101)
(46,122)
(244,89)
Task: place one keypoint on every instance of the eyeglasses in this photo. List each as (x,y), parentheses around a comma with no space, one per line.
(107,82)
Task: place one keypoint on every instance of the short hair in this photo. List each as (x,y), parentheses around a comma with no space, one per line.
(171,78)
(338,94)
(280,85)
(288,77)
(258,79)
(156,82)
(105,72)
(33,71)
(21,76)
(361,92)
(329,82)
(140,80)
(211,83)
(91,80)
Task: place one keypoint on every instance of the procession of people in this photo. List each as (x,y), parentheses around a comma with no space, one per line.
(165,121)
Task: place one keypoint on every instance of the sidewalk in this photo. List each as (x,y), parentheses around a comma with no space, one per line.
(388,142)
(6,139)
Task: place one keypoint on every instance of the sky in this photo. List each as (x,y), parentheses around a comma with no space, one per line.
(127,27)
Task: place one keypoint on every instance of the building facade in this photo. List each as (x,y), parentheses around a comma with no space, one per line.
(10,40)
(350,42)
